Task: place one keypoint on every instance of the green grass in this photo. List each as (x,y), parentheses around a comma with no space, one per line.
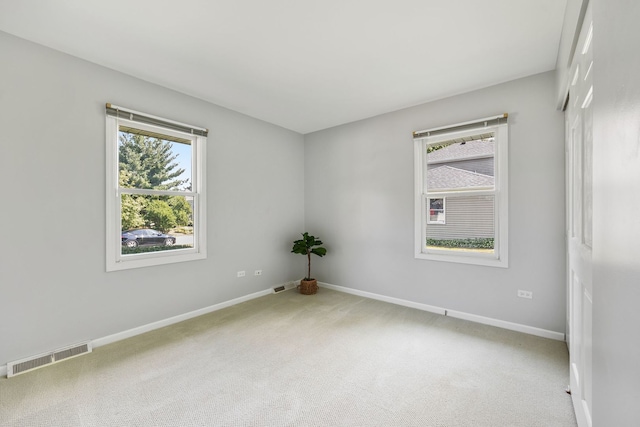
(145,249)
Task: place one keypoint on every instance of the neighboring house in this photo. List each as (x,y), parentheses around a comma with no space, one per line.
(474,156)
(461,166)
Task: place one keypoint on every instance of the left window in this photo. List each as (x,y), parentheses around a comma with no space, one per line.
(156,207)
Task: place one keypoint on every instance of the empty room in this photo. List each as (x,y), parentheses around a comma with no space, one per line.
(336,213)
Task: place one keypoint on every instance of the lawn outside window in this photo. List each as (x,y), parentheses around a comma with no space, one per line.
(155,190)
(461,193)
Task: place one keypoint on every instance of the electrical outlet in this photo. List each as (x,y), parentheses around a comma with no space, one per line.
(241,273)
(525,294)
(257,273)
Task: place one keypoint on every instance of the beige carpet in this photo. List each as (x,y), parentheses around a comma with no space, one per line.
(331,359)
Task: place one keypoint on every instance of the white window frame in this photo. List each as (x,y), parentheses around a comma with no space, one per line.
(114,259)
(500,255)
(444,210)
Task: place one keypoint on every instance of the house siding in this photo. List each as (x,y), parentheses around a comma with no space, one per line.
(466,217)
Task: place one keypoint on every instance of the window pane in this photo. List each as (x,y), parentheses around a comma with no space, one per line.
(461,164)
(470,224)
(436,211)
(153,161)
(156,223)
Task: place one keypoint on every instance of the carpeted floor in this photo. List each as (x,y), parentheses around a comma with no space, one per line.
(330,359)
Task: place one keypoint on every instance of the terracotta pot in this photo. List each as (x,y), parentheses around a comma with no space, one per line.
(308,287)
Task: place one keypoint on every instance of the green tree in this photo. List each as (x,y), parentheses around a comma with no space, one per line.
(131,207)
(148,162)
(159,215)
(181,209)
(131,212)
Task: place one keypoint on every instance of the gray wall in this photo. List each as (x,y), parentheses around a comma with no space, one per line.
(359,200)
(54,288)
(616,200)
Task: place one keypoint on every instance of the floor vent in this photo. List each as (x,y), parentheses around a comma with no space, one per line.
(71,352)
(28,365)
(35,362)
(285,287)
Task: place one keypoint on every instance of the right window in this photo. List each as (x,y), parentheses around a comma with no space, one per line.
(461,172)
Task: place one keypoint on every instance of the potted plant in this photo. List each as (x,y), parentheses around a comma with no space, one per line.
(306,246)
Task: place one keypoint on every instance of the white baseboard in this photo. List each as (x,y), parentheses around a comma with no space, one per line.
(392,300)
(289,285)
(175,319)
(531,330)
(170,321)
(559,336)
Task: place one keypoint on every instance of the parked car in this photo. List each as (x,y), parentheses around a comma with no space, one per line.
(146,236)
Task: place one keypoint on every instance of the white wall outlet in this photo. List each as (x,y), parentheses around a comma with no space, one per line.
(241,273)
(257,273)
(525,294)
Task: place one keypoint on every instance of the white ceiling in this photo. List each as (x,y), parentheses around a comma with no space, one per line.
(302,64)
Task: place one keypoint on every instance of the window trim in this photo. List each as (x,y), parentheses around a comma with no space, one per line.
(500,257)
(114,260)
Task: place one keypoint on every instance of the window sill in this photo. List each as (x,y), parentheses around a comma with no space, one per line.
(127,264)
(464,258)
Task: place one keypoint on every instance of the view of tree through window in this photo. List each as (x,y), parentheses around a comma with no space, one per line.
(155,190)
(160,164)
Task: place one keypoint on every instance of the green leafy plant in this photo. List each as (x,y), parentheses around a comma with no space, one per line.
(306,246)
(478,243)
(160,215)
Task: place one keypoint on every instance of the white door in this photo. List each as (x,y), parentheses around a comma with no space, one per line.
(579,159)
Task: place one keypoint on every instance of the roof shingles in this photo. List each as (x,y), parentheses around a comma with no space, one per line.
(461,151)
(447,178)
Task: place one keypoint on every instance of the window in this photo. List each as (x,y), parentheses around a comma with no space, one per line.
(462,193)
(436,211)
(155,190)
